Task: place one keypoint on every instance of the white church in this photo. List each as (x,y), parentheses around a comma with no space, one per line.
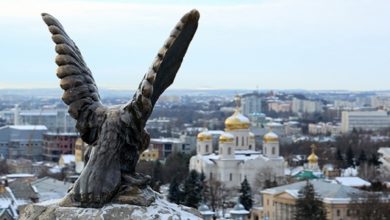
(236,157)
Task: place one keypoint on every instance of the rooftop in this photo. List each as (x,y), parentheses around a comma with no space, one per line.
(49,188)
(324,189)
(166,140)
(62,134)
(352,181)
(27,127)
(240,155)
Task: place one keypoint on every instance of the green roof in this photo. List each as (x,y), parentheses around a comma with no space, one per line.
(305,175)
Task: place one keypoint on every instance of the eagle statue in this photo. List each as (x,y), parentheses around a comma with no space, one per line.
(116,134)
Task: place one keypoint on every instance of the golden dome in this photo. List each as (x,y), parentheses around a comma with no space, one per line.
(226,138)
(312,158)
(270,137)
(237,121)
(204,136)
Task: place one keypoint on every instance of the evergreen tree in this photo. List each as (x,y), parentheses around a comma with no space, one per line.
(192,189)
(204,187)
(246,195)
(176,163)
(339,159)
(274,183)
(374,160)
(267,184)
(362,158)
(308,205)
(156,176)
(175,195)
(3,166)
(350,157)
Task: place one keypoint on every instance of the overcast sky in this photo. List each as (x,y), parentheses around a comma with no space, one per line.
(269,44)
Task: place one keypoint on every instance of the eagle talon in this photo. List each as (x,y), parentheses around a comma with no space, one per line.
(137,179)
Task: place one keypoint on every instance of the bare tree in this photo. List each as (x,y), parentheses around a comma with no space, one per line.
(218,195)
(368,171)
(370,206)
(265,178)
(3,166)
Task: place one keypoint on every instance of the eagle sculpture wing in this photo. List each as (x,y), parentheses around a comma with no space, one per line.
(164,68)
(118,131)
(80,90)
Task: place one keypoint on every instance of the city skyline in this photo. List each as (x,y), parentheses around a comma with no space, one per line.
(335,45)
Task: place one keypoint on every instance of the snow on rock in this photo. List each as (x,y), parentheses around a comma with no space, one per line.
(160,209)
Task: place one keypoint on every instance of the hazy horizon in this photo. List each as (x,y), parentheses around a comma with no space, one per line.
(268,44)
(208,89)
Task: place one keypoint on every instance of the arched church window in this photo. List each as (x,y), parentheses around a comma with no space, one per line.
(236,141)
(231,177)
(273,150)
(229,151)
(207,148)
(242,141)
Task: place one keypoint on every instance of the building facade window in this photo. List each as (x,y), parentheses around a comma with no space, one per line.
(338,212)
(273,150)
(207,148)
(236,141)
(231,177)
(242,141)
(229,151)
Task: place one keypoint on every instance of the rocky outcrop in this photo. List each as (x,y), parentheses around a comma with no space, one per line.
(159,209)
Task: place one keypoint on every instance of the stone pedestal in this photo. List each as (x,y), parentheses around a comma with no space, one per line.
(159,209)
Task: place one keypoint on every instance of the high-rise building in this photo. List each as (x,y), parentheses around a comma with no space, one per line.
(56,144)
(251,103)
(306,106)
(22,141)
(365,120)
(167,146)
(56,120)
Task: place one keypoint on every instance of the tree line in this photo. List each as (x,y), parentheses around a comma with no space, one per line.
(195,190)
